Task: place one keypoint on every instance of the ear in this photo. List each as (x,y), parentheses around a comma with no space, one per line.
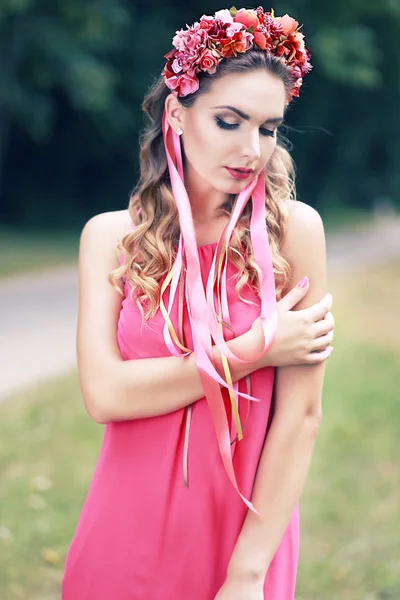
(174,111)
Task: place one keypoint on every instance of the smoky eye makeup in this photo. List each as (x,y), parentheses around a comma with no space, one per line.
(232,126)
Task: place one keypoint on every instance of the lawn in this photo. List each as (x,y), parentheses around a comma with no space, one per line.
(350,513)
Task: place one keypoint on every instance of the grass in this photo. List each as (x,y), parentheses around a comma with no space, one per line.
(26,251)
(350,514)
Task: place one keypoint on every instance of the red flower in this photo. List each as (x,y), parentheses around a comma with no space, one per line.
(290,47)
(233,45)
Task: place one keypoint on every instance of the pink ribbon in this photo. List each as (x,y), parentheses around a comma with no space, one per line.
(200,303)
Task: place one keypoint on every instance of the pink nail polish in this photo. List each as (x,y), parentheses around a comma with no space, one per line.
(303,283)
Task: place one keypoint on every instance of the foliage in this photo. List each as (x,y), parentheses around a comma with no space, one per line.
(74,74)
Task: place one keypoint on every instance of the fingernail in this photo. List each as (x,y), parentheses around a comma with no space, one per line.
(303,283)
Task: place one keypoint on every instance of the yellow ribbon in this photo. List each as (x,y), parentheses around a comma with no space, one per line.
(225,363)
(228,376)
(165,312)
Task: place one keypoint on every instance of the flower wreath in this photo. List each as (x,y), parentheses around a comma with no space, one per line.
(202,46)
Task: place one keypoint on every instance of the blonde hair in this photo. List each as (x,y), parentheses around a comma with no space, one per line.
(150,249)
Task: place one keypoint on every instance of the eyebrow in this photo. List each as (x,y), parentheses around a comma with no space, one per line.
(246,117)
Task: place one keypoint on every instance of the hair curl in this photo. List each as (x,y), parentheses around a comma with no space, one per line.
(150,249)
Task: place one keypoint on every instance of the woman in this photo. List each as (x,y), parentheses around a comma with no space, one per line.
(209,384)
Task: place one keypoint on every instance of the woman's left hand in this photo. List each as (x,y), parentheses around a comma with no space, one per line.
(237,589)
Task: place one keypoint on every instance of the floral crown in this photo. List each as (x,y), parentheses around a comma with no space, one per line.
(202,46)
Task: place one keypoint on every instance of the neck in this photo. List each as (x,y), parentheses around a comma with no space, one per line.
(206,202)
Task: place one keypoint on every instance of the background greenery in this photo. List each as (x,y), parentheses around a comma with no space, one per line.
(73,75)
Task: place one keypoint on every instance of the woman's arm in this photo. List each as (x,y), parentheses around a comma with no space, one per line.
(115,389)
(288,448)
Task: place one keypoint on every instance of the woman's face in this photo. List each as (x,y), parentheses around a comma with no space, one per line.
(233,126)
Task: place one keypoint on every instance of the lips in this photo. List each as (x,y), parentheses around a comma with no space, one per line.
(241,169)
(239,173)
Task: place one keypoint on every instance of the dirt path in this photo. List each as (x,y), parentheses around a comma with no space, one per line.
(39,312)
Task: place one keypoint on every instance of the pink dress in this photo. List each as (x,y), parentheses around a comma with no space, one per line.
(144,535)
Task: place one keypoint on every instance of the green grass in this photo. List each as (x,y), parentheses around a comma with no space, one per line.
(26,251)
(350,513)
(350,509)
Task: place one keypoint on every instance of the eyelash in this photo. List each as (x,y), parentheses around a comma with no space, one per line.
(223,125)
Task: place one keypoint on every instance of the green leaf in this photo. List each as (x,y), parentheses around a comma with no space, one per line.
(233,10)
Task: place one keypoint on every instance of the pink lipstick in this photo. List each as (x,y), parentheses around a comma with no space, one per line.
(239,173)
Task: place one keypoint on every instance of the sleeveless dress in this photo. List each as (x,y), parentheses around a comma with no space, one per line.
(142,533)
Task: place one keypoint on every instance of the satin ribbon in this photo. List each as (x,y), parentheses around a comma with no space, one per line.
(205,324)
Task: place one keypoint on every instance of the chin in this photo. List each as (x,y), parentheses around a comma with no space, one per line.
(237,186)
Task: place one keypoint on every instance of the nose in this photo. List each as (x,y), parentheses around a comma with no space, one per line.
(251,149)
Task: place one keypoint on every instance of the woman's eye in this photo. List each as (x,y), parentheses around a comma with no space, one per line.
(224,125)
(267,132)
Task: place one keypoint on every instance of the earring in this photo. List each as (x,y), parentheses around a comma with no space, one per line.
(180,131)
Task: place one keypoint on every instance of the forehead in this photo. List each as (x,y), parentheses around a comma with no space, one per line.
(257,93)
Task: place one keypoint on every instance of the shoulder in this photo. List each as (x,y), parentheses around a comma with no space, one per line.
(105,231)
(304,248)
(304,224)
(303,220)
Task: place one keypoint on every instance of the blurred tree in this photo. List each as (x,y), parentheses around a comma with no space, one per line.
(69,60)
(73,75)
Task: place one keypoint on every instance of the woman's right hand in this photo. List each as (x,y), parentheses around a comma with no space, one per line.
(303,336)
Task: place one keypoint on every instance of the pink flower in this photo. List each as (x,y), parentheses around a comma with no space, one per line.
(289,25)
(187,85)
(195,39)
(296,72)
(224,16)
(207,22)
(176,66)
(299,37)
(183,84)
(190,39)
(247,17)
(179,40)
(172,82)
(234,28)
(208,62)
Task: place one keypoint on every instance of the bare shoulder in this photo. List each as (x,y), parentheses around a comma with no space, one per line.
(103,232)
(304,247)
(304,227)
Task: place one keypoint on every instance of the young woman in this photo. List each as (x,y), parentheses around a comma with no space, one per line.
(209,384)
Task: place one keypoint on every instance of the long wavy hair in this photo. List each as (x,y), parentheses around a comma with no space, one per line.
(151,247)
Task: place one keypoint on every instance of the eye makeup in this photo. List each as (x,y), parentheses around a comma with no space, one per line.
(231,126)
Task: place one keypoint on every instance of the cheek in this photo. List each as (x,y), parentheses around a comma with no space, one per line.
(205,144)
(268,151)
